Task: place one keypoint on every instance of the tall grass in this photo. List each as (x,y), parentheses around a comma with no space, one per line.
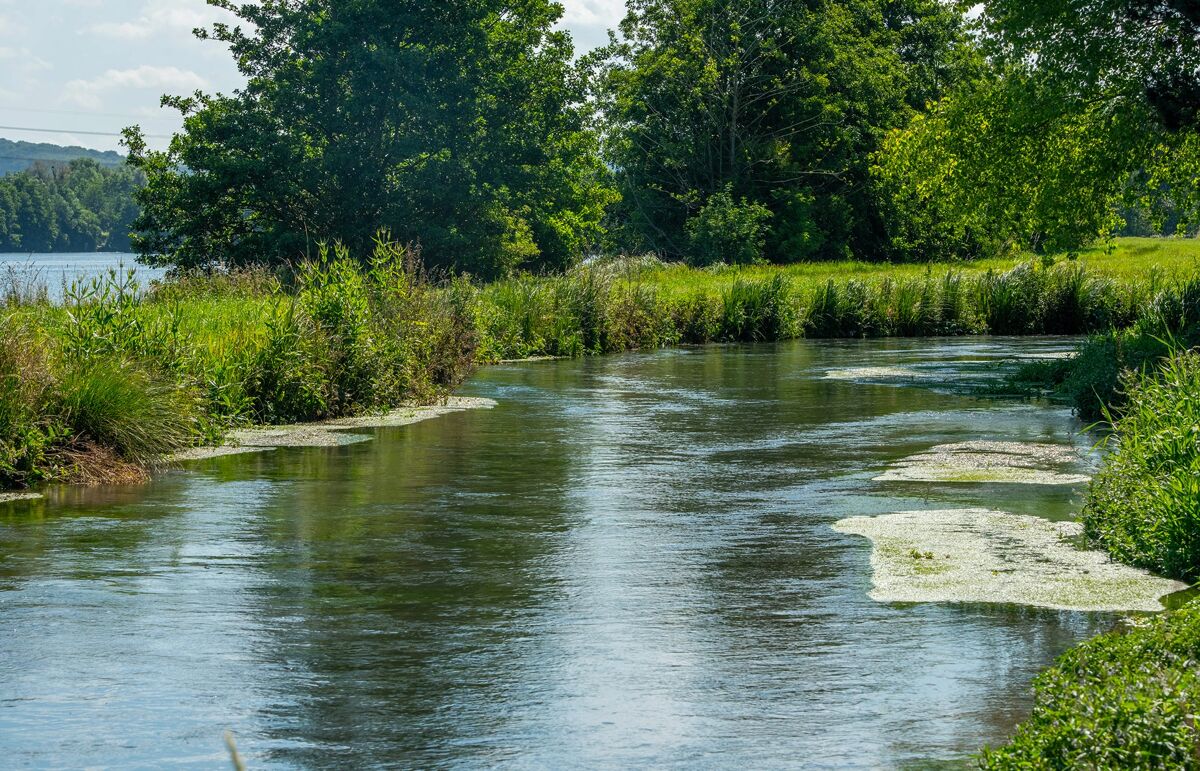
(624,306)
(1144,505)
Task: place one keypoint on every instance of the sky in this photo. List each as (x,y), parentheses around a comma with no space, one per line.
(81,70)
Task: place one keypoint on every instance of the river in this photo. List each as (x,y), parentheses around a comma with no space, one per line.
(630,562)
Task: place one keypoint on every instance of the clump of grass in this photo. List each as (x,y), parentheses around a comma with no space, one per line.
(1144,505)
(118,405)
(1122,700)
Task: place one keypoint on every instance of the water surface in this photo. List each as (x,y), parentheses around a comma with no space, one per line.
(628,563)
(56,272)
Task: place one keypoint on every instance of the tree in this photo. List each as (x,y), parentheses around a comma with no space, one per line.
(1088,110)
(459,125)
(774,103)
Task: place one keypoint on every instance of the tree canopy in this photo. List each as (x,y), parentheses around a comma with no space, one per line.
(759,116)
(458,125)
(1089,108)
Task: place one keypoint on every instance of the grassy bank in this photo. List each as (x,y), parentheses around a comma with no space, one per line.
(100,387)
(620,305)
(1128,699)
(1123,700)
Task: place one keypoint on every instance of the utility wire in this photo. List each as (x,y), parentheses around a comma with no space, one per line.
(81,133)
(86,113)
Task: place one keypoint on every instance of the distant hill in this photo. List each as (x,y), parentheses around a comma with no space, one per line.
(19,156)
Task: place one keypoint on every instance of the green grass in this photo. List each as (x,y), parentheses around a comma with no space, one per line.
(617,305)
(1144,505)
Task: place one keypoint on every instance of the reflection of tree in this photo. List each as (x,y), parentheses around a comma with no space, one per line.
(400,567)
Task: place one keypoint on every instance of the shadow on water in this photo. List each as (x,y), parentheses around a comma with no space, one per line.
(628,563)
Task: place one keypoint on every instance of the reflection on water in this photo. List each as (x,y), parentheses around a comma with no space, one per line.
(628,563)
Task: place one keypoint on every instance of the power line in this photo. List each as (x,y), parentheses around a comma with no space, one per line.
(87,113)
(81,133)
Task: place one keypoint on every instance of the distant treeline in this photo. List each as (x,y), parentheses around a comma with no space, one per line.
(80,206)
(20,156)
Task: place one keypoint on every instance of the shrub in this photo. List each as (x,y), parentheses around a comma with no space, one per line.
(27,431)
(1144,505)
(1122,700)
(728,230)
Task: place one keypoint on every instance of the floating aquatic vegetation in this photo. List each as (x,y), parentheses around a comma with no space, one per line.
(877,373)
(11,497)
(1010,462)
(331,433)
(976,555)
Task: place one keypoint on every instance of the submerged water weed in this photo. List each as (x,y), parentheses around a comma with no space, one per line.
(1144,505)
(1123,700)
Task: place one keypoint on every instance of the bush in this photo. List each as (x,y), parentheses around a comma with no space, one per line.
(1144,505)
(1122,700)
(729,231)
(27,432)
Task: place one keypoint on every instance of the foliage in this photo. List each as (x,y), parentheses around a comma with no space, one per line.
(773,105)
(458,125)
(1144,506)
(79,206)
(26,433)
(725,230)
(1123,700)
(1088,112)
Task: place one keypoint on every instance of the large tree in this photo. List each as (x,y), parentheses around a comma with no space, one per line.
(458,125)
(756,118)
(1090,108)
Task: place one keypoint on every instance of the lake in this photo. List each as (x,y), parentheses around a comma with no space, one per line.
(629,562)
(55,272)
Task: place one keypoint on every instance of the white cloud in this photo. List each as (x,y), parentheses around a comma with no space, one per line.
(601,13)
(126,30)
(88,93)
(159,17)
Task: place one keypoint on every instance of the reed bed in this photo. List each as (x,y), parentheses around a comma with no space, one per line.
(614,307)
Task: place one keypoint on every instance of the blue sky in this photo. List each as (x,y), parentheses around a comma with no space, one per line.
(75,66)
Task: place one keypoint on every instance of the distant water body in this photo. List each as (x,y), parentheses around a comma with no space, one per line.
(56,272)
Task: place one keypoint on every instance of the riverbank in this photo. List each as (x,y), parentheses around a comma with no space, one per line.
(107,384)
(1127,699)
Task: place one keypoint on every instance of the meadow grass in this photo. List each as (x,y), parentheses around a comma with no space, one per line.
(614,305)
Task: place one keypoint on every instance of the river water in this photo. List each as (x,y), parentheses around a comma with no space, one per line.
(628,563)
